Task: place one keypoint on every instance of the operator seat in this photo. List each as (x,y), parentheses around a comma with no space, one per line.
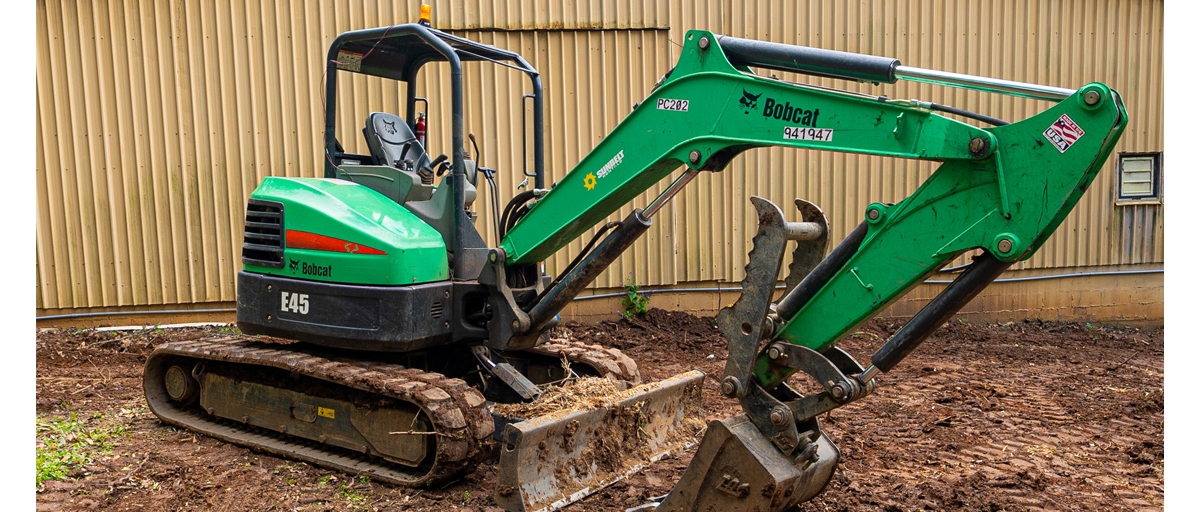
(393,143)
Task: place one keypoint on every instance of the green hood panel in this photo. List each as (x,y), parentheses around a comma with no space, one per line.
(341,232)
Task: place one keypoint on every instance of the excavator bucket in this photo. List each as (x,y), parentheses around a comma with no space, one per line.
(553,460)
(738,468)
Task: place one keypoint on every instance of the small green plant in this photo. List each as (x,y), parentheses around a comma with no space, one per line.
(67,444)
(635,301)
(350,494)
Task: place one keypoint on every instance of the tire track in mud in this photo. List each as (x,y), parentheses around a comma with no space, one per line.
(1012,435)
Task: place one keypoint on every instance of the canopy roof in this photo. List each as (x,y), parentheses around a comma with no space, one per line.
(398,51)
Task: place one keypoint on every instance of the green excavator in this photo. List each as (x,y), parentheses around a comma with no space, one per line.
(380,330)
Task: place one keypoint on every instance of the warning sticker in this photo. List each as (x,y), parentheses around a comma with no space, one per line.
(325,412)
(349,61)
(1063,133)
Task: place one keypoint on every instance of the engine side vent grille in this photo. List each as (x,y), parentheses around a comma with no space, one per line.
(435,311)
(262,244)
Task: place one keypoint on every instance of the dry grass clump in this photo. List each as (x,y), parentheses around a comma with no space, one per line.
(574,394)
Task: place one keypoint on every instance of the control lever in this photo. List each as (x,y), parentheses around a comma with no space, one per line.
(478,155)
(440,160)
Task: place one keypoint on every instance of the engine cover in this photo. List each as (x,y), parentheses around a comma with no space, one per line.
(338,231)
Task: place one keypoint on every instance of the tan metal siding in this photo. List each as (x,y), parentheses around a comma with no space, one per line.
(1066,44)
(594,79)
(155,121)
(547,15)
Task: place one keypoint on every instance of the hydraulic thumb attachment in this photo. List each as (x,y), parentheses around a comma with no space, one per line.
(766,458)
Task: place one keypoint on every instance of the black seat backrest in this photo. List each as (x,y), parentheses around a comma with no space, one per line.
(392,142)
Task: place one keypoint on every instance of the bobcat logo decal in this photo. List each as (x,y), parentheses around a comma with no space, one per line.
(293,265)
(750,101)
(390,126)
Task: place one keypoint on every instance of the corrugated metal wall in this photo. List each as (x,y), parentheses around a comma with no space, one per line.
(155,120)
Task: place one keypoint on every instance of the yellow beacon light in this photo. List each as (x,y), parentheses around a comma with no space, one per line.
(426,9)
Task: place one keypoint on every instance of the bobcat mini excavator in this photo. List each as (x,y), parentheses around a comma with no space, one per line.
(387,329)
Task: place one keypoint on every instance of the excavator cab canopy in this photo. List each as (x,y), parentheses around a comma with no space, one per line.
(398,53)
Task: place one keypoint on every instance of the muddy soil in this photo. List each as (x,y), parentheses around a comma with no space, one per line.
(1019,416)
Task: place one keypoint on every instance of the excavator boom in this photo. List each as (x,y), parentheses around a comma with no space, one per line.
(1000,190)
(705,112)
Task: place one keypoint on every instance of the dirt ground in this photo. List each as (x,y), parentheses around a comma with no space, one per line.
(1019,416)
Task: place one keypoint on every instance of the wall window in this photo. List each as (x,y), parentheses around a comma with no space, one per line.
(1139,177)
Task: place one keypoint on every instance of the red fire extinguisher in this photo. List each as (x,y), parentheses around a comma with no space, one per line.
(420,129)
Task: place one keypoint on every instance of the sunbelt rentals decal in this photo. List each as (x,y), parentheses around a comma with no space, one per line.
(589,181)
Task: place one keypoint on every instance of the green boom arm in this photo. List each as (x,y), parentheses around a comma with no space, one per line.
(708,108)
(1003,189)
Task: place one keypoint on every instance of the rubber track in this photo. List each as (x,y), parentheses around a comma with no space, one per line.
(458,411)
(608,361)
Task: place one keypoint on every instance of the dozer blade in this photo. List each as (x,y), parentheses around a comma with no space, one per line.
(551,461)
(738,468)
